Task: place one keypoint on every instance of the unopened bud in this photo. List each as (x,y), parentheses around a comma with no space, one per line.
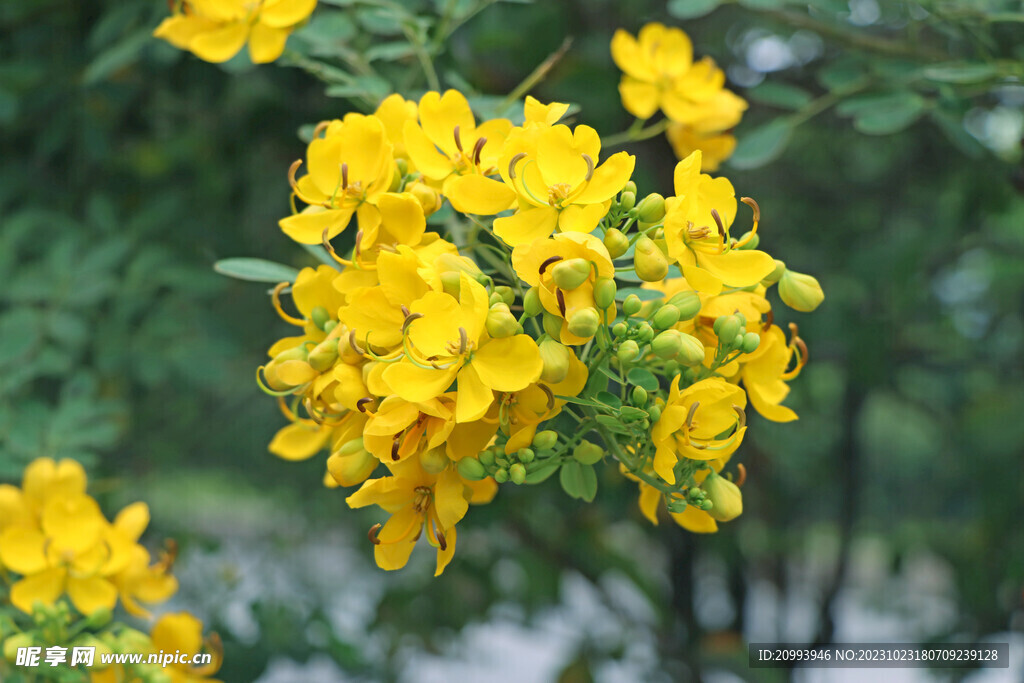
(800,292)
(755,240)
(552,325)
(351,464)
(751,340)
(434,460)
(604,292)
(687,303)
(616,242)
(584,322)
(545,440)
(555,357)
(691,351)
(627,200)
(487,458)
(15,643)
(632,305)
(644,332)
(451,283)
(402,166)
(472,470)
(667,344)
(569,274)
(724,496)
(776,274)
(620,329)
(639,396)
(323,356)
(665,317)
(531,302)
(428,198)
(651,208)
(655,413)
(628,351)
(587,453)
(501,476)
(525,455)
(728,329)
(500,322)
(649,261)
(507,294)
(320,316)
(517,473)
(630,187)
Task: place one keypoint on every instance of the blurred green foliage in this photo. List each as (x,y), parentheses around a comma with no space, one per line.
(129,168)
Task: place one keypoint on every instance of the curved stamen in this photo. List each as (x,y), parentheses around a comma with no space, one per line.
(275,298)
(690,414)
(458,138)
(363,403)
(549,395)
(548,262)
(267,390)
(590,167)
(344,176)
(292,170)
(372,533)
(741,474)
(320,128)
(757,219)
(353,344)
(326,242)
(477,149)
(512,164)
(409,319)
(560,296)
(742,417)
(463,340)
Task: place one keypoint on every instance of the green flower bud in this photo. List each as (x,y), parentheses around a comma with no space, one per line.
(649,261)
(531,302)
(320,316)
(451,283)
(604,292)
(776,274)
(473,470)
(486,458)
(800,292)
(587,453)
(403,167)
(667,344)
(502,460)
(12,644)
(724,496)
(434,460)
(627,200)
(98,619)
(330,325)
(639,396)
(500,322)
(654,412)
(546,440)
(644,332)
(620,329)
(755,240)
(651,208)
(687,303)
(501,476)
(351,464)
(525,455)
(555,357)
(584,322)
(508,295)
(628,351)
(630,187)
(517,473)
(728,329)
(665,317)
(570,273)
(691,351)
(616,242)
(323,356)
(632,305)
(552,325)
(751,340)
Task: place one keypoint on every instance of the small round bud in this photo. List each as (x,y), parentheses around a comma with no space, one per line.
(724,496)
(620,329)
(434,460)
(570,273)
(323,355)
(655,413)
(627,200)
(776,274)
(584,322)
(667,344)
(691,351)
(451,283)
(729,328)
(546,440)
(428,197)
(644,332)
(508,295)
(555,359)
(500,322)
(751,340)
(473,470)
(587,453)
(15,643)
(604,292)
(525,455)
(495,298)
(665,317)
(402,166)
(517,473)
(687,303)
(632,305)
(800,292)
(630,187)
(552,325)
(755,240)
(320,316)
(501,476)
(351,464)
(487,458)
(616,242)
(649,261)
(531,302)
(639,397)
(651,208)
(628,351)
(330,325)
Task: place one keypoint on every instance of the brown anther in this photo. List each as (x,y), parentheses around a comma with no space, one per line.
(405,311)
(550,396)
(754,207)
(409,320)
(362,403)
(560,296)
(359,242)
(548,262)
(320,128)
(691,413)
(697,233)
(741,474)
(512,164)
(353,344)
(463,340)
(718,222)
(372,534)
(394,449)
(477,149)
(292,170)
(442,542)
(742,416)
(590,167)
(768,320)
(458,138)
(344,177)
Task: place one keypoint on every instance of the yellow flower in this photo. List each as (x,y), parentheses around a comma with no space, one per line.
(659,72)
(140,581)
(446,341)
(45,478)
(525,410)
(651,499)
(182,632)
(694,421)
(537,262)
(416,500)
(714,148)
(215,30)
(556,178)
(697,232)
(349,168)
(766,371)
(393,111)
(447,146)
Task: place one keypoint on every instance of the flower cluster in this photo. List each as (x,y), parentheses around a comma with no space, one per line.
(216,30)
(659,72)
(476,332)
(55,542)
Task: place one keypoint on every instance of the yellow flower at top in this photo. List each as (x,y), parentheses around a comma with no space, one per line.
(659,73)
(215,30)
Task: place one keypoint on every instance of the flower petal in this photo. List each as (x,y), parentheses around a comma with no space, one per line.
(221,44)
(508,364)
(307,227)
(299,441)
(526,226)
(91,594)
(266,43)
(479,195)
(44,587)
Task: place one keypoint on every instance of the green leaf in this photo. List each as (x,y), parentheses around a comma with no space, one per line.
(642,377)
(612,423)
(632,414)
(373,87)
(389,51)
(691,9)
(579,401)
(117,57)
(255,270)
(642,294)
(610,374)
(579,481)
(762,4)
(541,473)
(843,74)
(761,145)
(609,399)
(960,72)
(883,114)
(781,95)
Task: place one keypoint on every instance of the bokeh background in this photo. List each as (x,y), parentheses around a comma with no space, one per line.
(892,510)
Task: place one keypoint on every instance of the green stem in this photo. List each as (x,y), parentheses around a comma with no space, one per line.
(631,135)
(535,77)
